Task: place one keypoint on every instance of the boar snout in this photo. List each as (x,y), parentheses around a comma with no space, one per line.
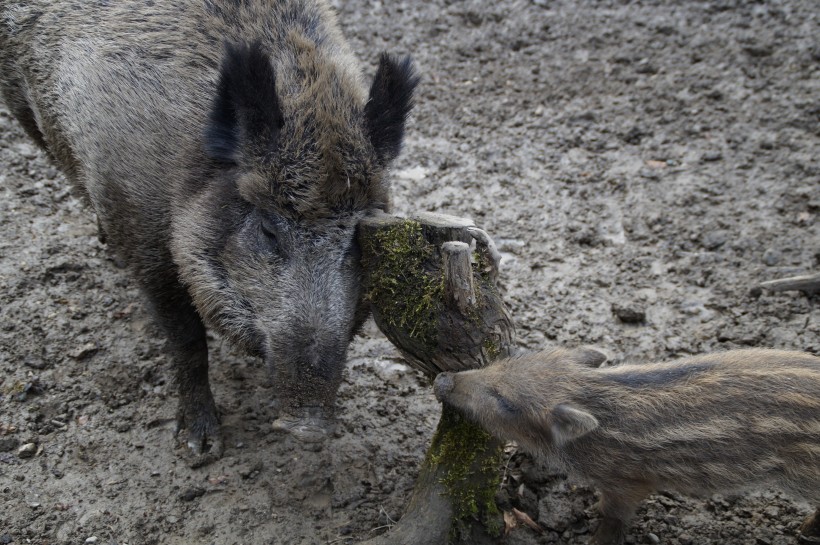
(443,385)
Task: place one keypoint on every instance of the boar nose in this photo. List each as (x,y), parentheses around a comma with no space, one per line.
(443,385)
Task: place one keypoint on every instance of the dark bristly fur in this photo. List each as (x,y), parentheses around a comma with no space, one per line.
(229,150)
(721,422)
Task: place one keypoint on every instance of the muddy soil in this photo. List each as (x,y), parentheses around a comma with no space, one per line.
(642,167)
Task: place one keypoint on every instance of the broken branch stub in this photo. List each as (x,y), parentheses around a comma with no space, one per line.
(431,281)
(459,291)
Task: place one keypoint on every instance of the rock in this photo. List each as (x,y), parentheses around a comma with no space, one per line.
(628,313)
(92,539)
(714,239)
(7,444)
(27,451)
(34,362)
(192,493)
(771,257)
(85,351)
(5,539)
(711,156)
(653,538)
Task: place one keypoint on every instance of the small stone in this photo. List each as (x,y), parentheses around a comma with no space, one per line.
(653,538)
(27,451)
(5,539)
(771,257)
(85,351)
(192,493)
(714,239)
(711,156)
(644,67)
(92,539)
(7,444)
(34,362)
(172,519)
(123,427)
(628,313)
(685,539)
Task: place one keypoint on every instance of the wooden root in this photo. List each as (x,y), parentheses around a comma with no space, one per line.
(809,283)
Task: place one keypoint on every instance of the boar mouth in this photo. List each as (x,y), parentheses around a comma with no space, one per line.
(307,424)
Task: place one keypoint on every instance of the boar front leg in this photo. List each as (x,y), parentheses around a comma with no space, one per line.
(188,350)
(617,509)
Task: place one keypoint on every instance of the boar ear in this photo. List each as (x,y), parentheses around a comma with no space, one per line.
(390,102)
(589,357)
(569,423)
(245,112)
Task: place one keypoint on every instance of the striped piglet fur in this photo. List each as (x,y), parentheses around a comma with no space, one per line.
(723,422)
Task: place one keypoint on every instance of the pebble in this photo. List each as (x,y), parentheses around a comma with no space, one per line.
(771,257)
(653,538)
(192,493)
(628,313)
(7,444)
(92,539)
(714,239)
(34,362)
(27,451)
(84,351)
(711,156)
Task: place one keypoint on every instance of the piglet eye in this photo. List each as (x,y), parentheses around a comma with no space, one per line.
(503,403)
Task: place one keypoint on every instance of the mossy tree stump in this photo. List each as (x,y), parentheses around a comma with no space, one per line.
(432,284)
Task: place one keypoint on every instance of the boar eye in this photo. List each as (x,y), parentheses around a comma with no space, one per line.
(269,233)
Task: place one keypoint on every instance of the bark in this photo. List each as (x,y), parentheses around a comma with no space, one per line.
(432,284)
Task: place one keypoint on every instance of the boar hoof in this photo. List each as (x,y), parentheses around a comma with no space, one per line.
(611,531)
(810,530)
(308,425)
(201,434)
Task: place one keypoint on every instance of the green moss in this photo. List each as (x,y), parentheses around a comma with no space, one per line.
(492,349)
(470,458)
(405,295)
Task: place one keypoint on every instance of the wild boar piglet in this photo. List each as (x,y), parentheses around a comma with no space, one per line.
(716,423)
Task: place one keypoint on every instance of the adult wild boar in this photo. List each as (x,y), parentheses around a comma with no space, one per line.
(716,423)
(229,148)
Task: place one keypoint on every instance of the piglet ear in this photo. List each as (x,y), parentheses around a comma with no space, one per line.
(390,102)
(245,117)
(569,423)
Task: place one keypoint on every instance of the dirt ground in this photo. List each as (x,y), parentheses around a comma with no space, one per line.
(642,166)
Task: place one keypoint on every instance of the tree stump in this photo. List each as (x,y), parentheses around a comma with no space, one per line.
(432,284)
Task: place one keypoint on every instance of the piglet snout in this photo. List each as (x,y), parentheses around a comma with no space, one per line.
(443,385)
